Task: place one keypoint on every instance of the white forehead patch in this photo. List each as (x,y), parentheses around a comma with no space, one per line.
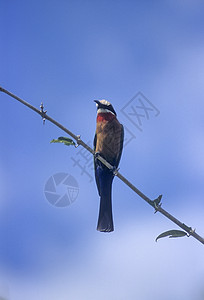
(104,102)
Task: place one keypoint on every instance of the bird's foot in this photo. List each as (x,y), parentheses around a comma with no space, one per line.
(114,170)
(97,160)
(96,154)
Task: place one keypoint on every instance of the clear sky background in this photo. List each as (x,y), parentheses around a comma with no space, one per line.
(66,54)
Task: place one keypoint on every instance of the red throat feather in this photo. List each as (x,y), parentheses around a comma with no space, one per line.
(104,117)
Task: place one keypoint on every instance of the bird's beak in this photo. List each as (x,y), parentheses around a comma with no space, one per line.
(97,102)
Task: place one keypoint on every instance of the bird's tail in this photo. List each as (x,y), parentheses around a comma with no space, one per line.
(105,218)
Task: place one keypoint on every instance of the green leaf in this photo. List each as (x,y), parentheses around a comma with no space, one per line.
(172,234)
(66,141)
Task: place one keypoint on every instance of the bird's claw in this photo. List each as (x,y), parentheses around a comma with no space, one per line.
(115,170)
(97,160)
(96,154)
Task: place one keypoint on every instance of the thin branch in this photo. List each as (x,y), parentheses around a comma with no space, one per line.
(154,203)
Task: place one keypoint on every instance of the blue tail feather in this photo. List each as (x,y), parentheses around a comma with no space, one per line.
(105,179)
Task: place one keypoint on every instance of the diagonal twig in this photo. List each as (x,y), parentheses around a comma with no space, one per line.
(156,204)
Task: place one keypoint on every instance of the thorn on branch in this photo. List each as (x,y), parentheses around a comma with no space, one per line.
(43,112)
(156,203)
(192,231)
(188,229)
(78,141)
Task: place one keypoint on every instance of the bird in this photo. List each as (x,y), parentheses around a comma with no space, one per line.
(108,143)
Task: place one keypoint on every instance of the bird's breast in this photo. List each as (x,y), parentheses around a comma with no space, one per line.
(108,131)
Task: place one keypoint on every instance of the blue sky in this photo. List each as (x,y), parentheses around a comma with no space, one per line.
(66,54)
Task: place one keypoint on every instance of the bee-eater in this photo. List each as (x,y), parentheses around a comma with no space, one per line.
(108,142)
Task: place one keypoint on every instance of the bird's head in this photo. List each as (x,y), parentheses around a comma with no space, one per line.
(103,106)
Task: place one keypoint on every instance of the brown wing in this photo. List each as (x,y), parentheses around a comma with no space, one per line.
(121,146)
(110,141)
(95,165)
